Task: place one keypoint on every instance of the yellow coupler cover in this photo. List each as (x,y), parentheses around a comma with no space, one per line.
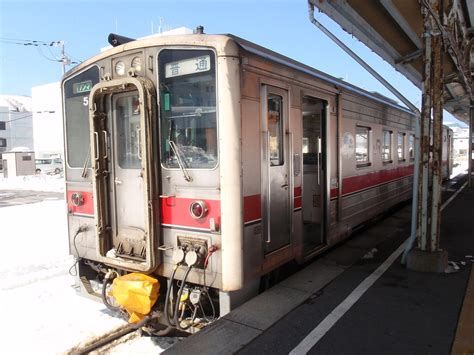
(136,293)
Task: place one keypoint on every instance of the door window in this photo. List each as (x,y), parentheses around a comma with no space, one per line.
(401,146)
(387,146)
(127,120)
(411,146)
(275,129)
(362,145)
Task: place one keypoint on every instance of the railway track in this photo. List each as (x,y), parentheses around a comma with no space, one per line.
(105,341)
(126,339)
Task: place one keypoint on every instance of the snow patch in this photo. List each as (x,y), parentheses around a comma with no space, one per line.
(52,183)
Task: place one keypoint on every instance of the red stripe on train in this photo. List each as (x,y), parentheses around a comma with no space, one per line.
(361,182)
(252,208)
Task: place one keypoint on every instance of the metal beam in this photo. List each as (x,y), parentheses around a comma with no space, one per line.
(409,57)
(400,20)
(450,46)
(470,159)
(355,25)
(359,60)
(437,157)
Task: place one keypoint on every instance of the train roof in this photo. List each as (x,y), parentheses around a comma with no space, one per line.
(281,59)
(221,42)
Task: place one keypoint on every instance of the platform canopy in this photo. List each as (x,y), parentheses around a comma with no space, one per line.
(394,28)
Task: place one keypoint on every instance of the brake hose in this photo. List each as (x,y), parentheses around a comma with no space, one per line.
(167,298)
(178,299)
(107,279)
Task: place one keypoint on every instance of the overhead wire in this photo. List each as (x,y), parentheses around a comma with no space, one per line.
(38,44)
(20,118)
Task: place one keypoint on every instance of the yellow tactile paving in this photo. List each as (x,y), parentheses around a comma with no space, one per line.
(464,341)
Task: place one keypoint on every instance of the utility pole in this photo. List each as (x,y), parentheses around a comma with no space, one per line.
(64,58)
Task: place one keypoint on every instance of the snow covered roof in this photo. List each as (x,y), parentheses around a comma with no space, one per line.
(16,103)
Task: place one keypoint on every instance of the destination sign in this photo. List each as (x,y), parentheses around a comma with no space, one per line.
(188,66)
(82,87)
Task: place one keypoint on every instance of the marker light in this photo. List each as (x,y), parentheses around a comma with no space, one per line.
(198,209)
(120,68)
(77,199)
(137,64)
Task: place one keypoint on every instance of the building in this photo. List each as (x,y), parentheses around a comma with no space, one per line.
(47,120)
(460,140)
(16,123)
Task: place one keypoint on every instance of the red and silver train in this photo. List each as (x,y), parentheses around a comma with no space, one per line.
(207,162)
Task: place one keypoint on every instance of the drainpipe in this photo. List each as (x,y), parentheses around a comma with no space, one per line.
(402,98)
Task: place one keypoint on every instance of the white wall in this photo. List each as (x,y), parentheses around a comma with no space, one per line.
(15,111)
(47,119)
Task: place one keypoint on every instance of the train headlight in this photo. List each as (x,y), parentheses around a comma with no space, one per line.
(137,64)
(120,68)
(77,199)
(198,209)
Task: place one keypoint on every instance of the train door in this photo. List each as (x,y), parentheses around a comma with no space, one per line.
(275,172)
(127,186)
(124,184)
(313,148)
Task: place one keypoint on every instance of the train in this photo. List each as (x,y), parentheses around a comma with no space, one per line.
(208,162)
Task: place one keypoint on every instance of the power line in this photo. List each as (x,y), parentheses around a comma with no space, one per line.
(64,57)
(30,42)
(19,118)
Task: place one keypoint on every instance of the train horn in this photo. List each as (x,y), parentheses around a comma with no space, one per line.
(117,40)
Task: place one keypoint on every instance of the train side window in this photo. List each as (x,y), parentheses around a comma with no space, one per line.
(362,146)
(401,146)
(411,146)
(275,129)
(387,146)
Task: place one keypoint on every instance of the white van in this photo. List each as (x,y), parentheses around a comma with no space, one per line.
(49,166)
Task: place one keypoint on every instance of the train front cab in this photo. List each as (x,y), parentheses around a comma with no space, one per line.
(154,187)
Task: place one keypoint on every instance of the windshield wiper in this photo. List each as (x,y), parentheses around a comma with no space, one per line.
(86,163)
(177,153)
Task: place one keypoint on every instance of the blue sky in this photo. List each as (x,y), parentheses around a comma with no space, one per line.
(281,25)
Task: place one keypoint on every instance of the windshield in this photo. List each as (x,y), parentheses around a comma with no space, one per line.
(76,99)
(188,109)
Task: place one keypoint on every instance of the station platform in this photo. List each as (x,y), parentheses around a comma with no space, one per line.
(358,298)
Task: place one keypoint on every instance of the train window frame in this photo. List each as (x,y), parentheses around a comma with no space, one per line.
(359,131)
(162,102)
(3,126)
(388,159)
(401,157)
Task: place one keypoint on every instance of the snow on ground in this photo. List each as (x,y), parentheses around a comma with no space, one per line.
(41,312)
(460,168)
(38,302)
(39,182)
